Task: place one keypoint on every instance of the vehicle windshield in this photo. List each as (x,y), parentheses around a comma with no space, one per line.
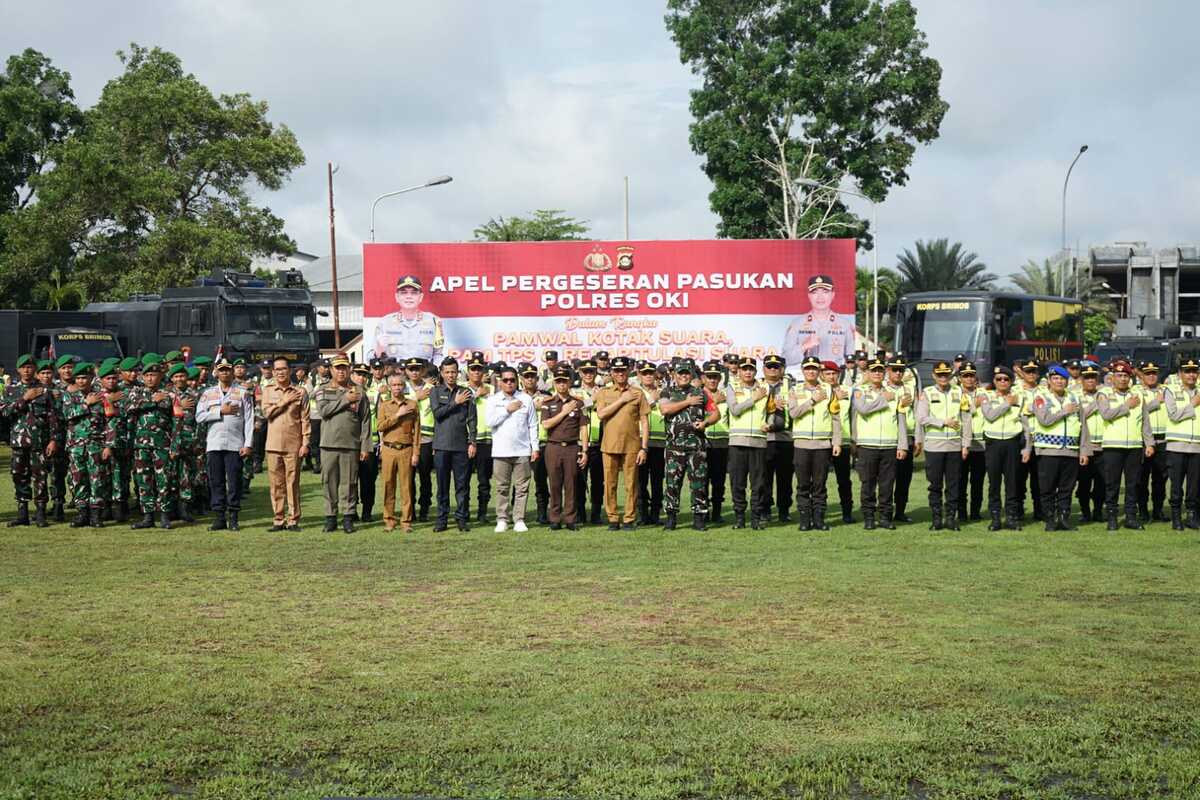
(1135,353)
(942,328)
(279,325)
(93,347)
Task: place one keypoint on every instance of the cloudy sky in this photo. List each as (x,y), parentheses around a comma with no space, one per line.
(549,104)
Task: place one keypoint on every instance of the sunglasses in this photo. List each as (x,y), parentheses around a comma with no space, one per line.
(508,380)
(1002,378)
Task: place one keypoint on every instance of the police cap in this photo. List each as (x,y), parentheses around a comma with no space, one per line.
(587,365)
(620,362)
(810,362)
(820,282)
(413,362)
(942,368)
(968,368)
(563,373)
(551,355)
(361,368)
(1148,366)
(408,282)
(646,366)
(775,360)
(601,354)
(525,368)
(1190,365)
(747,362)
(712,368)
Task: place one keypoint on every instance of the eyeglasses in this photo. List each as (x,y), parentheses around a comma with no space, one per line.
(508,380)
(1002,379)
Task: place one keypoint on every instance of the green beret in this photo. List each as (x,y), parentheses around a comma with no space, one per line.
(45,363)
(105,370)
(176,368)
(25,359)
(202,361)
(63,361)
(193,373)
(151,358)
(173,355)
(238,361)
(83,367)
(129,362)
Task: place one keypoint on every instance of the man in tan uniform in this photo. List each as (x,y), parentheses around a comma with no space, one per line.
(624,441)
(400,440)
(285,406)
(345,440)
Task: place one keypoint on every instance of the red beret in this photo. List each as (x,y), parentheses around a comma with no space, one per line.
(829,365)
(1123,367)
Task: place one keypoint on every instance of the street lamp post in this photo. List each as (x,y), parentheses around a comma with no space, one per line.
(438,181)
(874,248)
(1083,149)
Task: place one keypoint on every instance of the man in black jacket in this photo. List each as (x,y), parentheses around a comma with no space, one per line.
(453,409)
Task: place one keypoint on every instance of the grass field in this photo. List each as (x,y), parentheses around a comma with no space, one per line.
(906,664)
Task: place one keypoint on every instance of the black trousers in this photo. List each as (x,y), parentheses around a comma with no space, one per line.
(1090,485)
(812,471)
(780,467)
(1029,472)
(1003,457)
(877,474)
(1185,465)
(1152,482)
(259,443)
(650,482)
(541,480)
(904,473)
(368,473)
(748,465)
(594,475)
(481,465)
(1121,462)
(425,477)
(973,470)
(224,469)
(447,464)
(841,470)
(1056,476)
(943,471)
(718,468)
(313,459)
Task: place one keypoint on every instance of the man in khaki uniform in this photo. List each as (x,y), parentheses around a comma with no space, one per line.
(624,441)
(345,440)
(400,440)
(285,407)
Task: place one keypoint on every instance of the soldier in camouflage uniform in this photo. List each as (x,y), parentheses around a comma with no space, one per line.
(120,466)
(182,468)
(204,379)
(91,436)
(29,408)
(242,378)
(63,369)
(151,409)
(687,411)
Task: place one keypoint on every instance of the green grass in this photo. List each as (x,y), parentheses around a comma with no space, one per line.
(854,664)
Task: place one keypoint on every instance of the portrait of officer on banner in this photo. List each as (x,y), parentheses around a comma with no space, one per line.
(820,333)
(410,332)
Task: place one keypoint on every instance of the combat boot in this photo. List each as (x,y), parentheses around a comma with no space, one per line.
(39,516)
(1112,519)
(543,514)
(81,519)
(147,521)
(1176,519)
(348,524)
(97,518)
(739,520)
(818,519)
(698,521)
(995,525)
(757,523)
(714,516)
(106,513)
(950,522)
(868,521)
(886,523)
(1133,521)
(805,517)
(1012,522)
(122,514)
(330,524)
(233,521)
(597,516)
(60,515)
(164,521)
(185,513)
(785,516)
(1193,521)
(1051,524)
(22,517)
(218,523)
(669,525)
(847,514)
(1143,512)
(936,523)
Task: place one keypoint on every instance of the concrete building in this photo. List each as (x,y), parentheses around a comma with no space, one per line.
(1157,283)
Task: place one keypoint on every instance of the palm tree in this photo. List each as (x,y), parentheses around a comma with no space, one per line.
(1044,278)
(941,266)
(57,293)
(889,293)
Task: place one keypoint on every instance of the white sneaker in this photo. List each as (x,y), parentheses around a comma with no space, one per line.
(501,526)
(519,526)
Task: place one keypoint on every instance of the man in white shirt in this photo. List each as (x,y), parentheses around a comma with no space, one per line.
(513,420)
(229,409)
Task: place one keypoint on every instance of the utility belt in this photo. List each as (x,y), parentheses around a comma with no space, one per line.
(394,446)
(563,444)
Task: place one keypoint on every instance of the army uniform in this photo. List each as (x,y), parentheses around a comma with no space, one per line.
(153,421)
(345,436)
(183,449)
(717,444)
(254,392)
(686,454)
(91,435)
(32,423)
(58,461)
(120,464)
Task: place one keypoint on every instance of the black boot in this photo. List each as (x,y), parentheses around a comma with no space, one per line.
(847,514)
(900,518)
(868,521)
(714,516)
(886,522)
(97,518)
(818,519)
(1012,521)
(39,516)
(481,515)
(22,517)
(1193,521)
(1176,519)
(60,515)
(785,516)
(1065,523)
(597,516)
(805,516)
(218,523)
(233,521)
(1143,512)
(106,513)
(147,521)
(1085,512)
(1133,521)
(164,521)
(122,514)
(950,522)
(543,514)
(1112,519)
(330,524)
(995,526)
(669,525)
(81,519)
(699,521)
(739,519)
(936,523)
(757,523)
(347,525)
(185,513)
(1051,524)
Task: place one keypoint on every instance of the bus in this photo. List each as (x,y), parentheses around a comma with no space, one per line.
(989,328)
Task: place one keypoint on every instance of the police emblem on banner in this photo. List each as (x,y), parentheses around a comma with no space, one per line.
(625,258)
(597,260)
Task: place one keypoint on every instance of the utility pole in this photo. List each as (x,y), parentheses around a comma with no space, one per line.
(337,328)
(627,208)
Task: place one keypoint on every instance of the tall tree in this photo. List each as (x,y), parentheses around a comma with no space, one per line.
(864,293)
(941,266)
(546,225)
(1052,277)
(800,90)
(154,189)
(57,295)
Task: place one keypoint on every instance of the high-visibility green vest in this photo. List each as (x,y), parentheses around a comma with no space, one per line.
(910,416)
(1095,422)
(750,421)
(719,430)
(483,432)
(976,414)
(593,418)
(1187,430)
(1124,432)
(373,392)
(817,422)
(658,425)
(879,428)
(425,413)
(844,418)
(786,386)
(1158,417)
(543,434)
(943,405)
(1062,435)
(1005,426)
